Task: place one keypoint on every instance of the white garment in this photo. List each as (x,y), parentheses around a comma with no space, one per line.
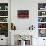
(22,43)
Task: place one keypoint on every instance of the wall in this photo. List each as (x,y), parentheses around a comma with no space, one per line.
(23,24)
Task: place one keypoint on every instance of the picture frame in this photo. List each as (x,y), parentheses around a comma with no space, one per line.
(23,13)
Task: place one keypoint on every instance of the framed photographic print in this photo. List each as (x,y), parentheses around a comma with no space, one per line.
(4,29)
(42,32)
